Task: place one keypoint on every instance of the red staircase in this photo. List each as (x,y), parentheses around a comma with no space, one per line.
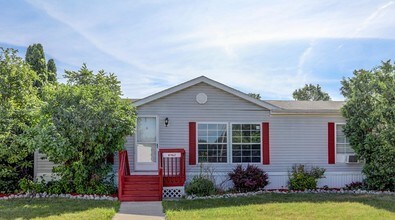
(137,187)
(171,172)
(142,188)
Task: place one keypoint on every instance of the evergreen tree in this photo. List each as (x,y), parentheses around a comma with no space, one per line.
(51,67)
(35,57)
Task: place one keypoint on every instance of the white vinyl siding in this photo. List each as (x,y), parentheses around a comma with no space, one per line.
(246,143)
(42,166)
(293,138)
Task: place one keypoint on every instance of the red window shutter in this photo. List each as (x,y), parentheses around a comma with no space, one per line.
(331,143)
(192,143)
(265,143)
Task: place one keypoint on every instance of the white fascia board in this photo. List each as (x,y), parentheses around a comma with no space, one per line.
(209,82)
(167,92)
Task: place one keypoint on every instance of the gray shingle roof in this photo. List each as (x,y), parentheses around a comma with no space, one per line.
(291,106)
(307,106)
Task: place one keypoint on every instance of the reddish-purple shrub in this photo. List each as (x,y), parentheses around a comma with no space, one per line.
(355,186)
(252,178)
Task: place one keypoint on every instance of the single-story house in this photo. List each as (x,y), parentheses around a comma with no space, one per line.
(203,123)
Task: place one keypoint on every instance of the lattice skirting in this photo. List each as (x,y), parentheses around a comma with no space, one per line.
(173,192)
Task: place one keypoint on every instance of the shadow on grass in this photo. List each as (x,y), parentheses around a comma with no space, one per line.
(35,208)
(385,202)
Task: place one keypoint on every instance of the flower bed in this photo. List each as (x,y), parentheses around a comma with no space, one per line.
(69,196)
(286,191)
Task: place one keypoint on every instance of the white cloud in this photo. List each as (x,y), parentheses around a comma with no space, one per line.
(381,10)
(151,45)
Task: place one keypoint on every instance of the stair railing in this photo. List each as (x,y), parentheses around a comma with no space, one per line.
(123,170)
(160,173)
(172,162)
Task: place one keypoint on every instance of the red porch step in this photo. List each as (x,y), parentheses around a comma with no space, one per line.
(141,188)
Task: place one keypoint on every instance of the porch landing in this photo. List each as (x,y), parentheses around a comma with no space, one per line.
(144,173)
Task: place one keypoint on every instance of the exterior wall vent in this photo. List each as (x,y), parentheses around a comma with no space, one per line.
(201,98)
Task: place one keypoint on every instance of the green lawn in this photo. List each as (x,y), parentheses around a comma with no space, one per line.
(285,206)
(57,208)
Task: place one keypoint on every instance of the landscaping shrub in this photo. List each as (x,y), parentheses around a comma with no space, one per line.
(19,110)
(302,179)
(83,123)
(29,186)
(58,187)
(61,186)
(252,178)
(200,186)
(369,113)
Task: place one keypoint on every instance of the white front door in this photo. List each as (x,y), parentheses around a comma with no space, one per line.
(146,150)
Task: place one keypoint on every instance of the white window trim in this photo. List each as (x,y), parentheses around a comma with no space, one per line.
(231,142)
(336,124)
(197,142)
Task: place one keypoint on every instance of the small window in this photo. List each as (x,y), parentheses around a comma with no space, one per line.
(246,143)
(342,144)
(212,143)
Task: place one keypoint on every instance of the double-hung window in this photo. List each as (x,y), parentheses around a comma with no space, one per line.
(246,143)
(212,142)
(342,144)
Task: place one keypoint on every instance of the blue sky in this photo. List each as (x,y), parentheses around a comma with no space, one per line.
(266,47)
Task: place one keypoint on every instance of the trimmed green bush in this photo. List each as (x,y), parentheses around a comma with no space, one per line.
(301,179)
(200,186)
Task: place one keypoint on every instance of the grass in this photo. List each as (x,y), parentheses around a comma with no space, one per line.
(285,206)
(57,208)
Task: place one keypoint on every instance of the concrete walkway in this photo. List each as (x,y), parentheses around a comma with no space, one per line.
(140,210)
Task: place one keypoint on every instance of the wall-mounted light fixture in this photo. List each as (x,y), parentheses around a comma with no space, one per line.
(166,121)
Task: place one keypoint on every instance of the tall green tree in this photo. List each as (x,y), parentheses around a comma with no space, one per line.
(255,95)
(370,116)
(84,121)
(35,57)
(311,92)
(19,108)
(52,71)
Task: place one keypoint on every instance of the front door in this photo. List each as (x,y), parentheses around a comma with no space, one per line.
(146,143)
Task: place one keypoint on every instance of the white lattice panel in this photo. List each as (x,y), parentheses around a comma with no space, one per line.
(173,192)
